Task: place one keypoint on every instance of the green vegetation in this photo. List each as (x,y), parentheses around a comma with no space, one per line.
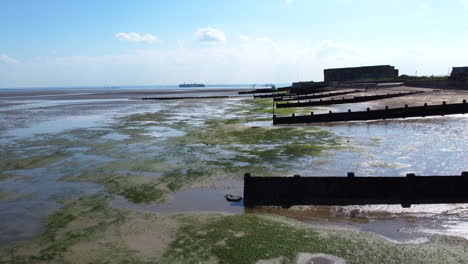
(4,176)
(422,78)
(59,238)
(88,230)
(32,162)
(265,106)
(145,168)
(160,116)
(135,188)
(5,195)
(250,238)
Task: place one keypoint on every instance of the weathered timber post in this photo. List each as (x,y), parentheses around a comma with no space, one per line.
(368,109)
(349,110)
(350,174)
(407,189)
(311,113)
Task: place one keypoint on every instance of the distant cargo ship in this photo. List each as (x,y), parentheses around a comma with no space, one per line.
(191,85)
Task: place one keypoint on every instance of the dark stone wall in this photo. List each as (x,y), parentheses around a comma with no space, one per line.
(360,73)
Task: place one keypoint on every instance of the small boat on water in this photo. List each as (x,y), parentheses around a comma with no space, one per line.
(232,198)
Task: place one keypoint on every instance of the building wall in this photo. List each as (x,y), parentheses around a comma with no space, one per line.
(459,73)
(439,84)
(360,73)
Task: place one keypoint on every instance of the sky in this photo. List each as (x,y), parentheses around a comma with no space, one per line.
(63,43)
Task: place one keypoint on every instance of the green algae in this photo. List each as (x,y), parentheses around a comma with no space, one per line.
(231,134)
(265,106)
(160,116)
(87,230)
(250,238)
(135,188)
(145,169)
(32,162)
(201,154)
(24,196)
(56,240)
(5,195)
(5,176)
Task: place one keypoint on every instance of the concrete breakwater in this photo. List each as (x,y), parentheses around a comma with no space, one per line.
(351,190)
(387,113)
(356,99)
(311,96)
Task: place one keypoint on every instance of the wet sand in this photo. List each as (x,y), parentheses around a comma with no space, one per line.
(93,94)
(23,114)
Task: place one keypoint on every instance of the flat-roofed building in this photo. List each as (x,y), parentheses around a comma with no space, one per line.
(364,73)
(459,73)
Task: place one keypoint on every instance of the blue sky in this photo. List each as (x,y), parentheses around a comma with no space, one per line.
(93,43)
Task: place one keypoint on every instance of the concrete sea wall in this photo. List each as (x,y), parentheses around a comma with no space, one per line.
(439,84)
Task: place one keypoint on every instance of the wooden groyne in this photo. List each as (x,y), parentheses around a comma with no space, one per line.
(356,99)
(264,90)
(268,95)
(311,96)
(387,113)
(185,97)
(351,190)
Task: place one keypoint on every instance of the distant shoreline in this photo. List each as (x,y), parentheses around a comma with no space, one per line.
(142,87)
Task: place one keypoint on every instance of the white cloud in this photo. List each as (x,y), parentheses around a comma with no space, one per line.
(464,3)
(288,2)
(210,35)
(253,60)
(135,37)
(244,38)
(7,59)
